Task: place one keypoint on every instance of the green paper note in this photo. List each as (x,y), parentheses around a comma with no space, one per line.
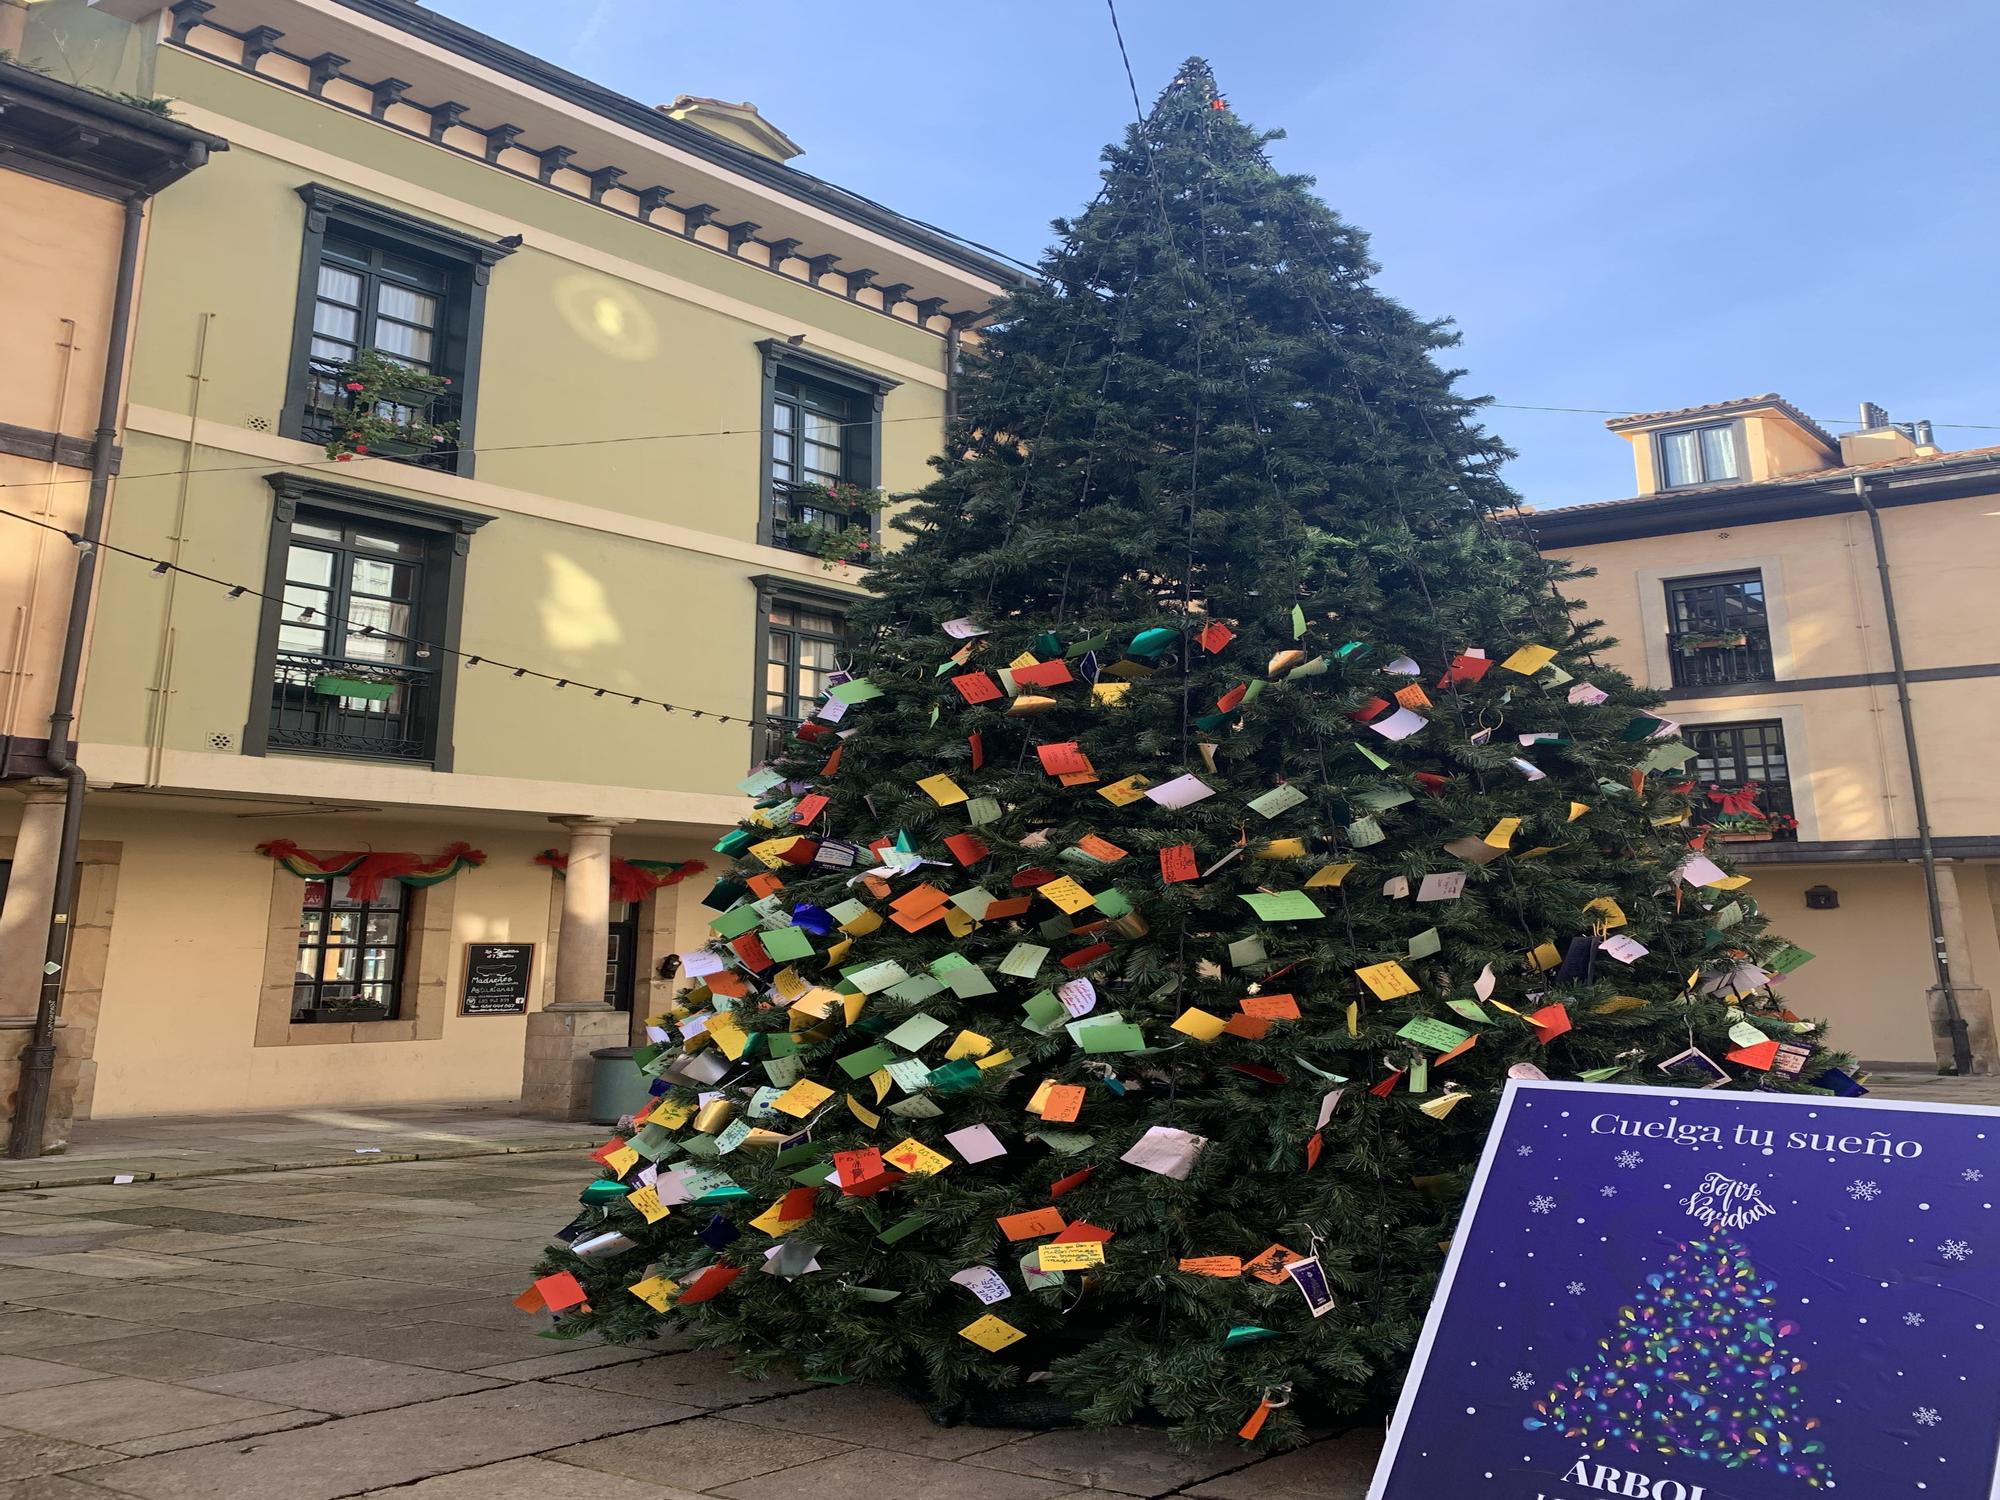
(902,1229)
(1284,906)
(1787,958)
(916,1107)
(973,902)
(788,942)
(916,988)
(1045,1013)
(1364,832)
(861,1064)
(956,1076)
(1298,622)
(735,922)
(1425,943)
(1112,904)
(982,810)
(860,690)
(873,977)
(1429,1032)
(911,1074)
(1247,951)
(1279,799)
(1025,961)
(1371,757)
(1111,1036)
(918,1031)
(1471,1010)
(969,982)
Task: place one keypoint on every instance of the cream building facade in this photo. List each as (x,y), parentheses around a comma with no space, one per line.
(1818,610)
(661,339)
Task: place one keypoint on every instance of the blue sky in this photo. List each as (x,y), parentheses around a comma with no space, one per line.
(1634,206)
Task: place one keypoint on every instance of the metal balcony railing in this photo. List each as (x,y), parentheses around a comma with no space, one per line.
(1764,812)
(1712,658)
(328,403)
(330,706)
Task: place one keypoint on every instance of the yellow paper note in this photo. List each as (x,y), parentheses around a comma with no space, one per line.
(1388,980)
(1443,1105)
(671,1114)
(1610,913)
(958,923)
(991,1333)
(1199,1024)
(1529,660)
(1040,1096)
(771,1224)
(1501,834)
(802,1098)
(862,925)
(655,1291)
(968,1044)
(621,1161)
(1107,694)
(881,1079)
(1283,849)
(1327,875)
(1124,793)
(914,1157)
(1545,957)
(789,984)
(851,1007)
(1354,1018)
(942,790)
(1577,810)
(772,851)
(1732,883)
(862,1112)
(647,1201)
(1067,894)
(728,1035)
(1616,1004)
(996,1059)
(1076,1256)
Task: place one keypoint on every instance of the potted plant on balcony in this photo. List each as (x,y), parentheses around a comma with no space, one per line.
(1740,820)
(834,544)
(1715,640)
(384,410)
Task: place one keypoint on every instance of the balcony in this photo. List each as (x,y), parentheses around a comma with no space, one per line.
(1749,812)
(1717,658)
(331,411)
(833,536)
(322,705)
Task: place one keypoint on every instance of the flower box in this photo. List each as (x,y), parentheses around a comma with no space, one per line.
(329,685)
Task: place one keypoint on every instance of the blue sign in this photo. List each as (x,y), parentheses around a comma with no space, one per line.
(1713,1296)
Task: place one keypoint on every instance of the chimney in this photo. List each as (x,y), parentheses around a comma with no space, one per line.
(1878,441)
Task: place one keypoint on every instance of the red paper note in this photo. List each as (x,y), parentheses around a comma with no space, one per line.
(967,848)
(1374,708)
(1387,1086)
(1043,674)
(531,1301)
(797,1204)
(1466,669)
(1228,701)
(1177,862)
(707,1284)
(1250,1028)
(1026,1226)
(1550,1022)
(1065,759)
(1214,636)
(1030,878)
(1084,956)
(1313,1147)
(559,1290)
(1271,1007)
(1012,906)
(850,1167)
(978,744)
(1760,1056)
(1065,1184)
(976,687)
(1081,1233)
(833,761)
(750,949)
(809,807)
(1098,848)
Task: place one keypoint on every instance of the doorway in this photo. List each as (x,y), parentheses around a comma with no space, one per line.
(621,954)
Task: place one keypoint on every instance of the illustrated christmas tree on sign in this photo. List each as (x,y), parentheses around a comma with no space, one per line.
(1121,966)
(1695,1369)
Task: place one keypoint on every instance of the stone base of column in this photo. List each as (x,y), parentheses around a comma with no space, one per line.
(15,1035)
(555,1075)
(1975,1005)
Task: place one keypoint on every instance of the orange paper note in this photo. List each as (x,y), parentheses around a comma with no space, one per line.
(1025,1226)
(1213,1265)
(1063,1102)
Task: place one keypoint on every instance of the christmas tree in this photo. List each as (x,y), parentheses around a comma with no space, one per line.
(1695,1369)
(1122,966)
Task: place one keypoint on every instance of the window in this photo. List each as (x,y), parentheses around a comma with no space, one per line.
(356,660)
(353,673)
(802,643)
(1743,788)
(377,281)
(823,427)
(350,965)
(1718,631)
(1699,455)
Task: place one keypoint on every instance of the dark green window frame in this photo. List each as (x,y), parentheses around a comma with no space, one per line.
(775,595)
(395,250)
(797,382)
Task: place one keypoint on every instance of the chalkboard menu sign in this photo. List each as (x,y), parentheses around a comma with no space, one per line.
(496,978)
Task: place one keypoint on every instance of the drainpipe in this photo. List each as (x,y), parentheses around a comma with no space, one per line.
(38,1058)
(1961,1043)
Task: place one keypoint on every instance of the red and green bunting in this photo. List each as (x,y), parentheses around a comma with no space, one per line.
(366,872)
(632,879)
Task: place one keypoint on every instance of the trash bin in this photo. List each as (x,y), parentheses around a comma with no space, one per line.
(616,1086)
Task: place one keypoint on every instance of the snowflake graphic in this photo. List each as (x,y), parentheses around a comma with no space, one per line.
(1915,1320)
(1972,1174)
(1541,1203)
(1522,1380)
(1607,1191)
(1950,1249)
(1524,1150)
(1927,1416)
(1629,1158)
(1576,1289)
(1863,1192)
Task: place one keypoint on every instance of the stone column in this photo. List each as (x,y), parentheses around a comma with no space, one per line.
(555,1074)
(31,897)
(1975,1005)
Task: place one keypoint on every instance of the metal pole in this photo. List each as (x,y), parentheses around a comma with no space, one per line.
(38,1058)
(1961,1043)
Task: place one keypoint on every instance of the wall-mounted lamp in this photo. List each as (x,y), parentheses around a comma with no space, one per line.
(1821,898)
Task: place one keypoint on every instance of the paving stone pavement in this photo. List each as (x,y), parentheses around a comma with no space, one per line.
(309,1335)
